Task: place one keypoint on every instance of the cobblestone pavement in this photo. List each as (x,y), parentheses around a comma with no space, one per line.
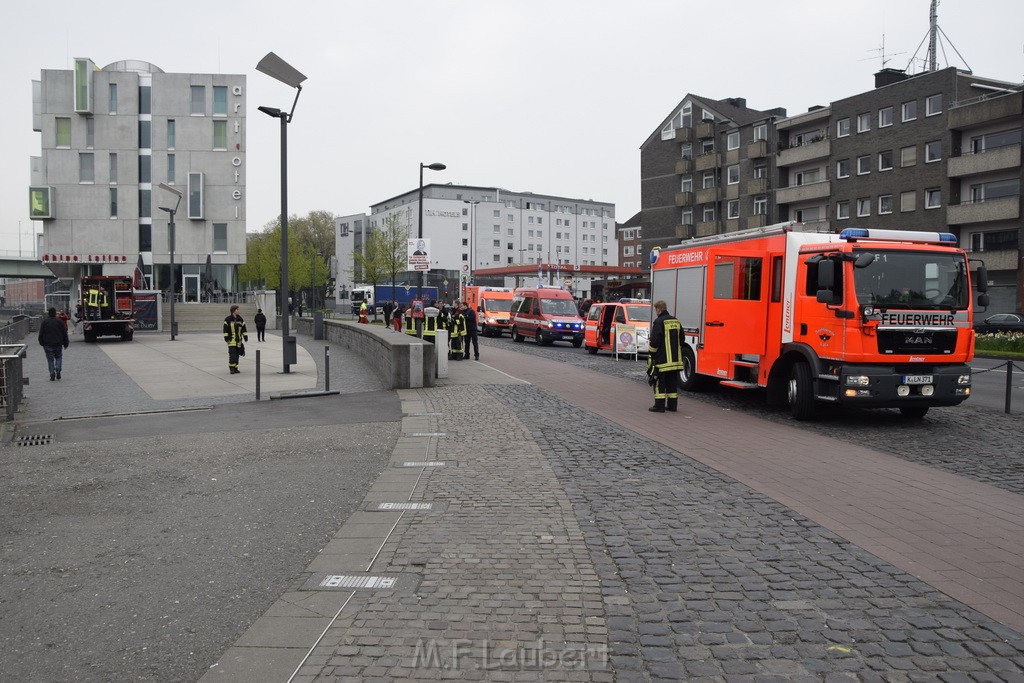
(980,444)
(703,578)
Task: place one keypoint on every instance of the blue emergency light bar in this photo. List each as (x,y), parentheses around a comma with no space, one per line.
(851,234)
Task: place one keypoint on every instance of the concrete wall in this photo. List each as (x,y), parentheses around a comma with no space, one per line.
(400,360)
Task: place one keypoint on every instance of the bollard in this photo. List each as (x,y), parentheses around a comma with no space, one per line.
(1009,385)
(257,374)
(327,368)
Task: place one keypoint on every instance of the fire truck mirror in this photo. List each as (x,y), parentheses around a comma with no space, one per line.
(982,280)
(826,296)
(983,300)
(826,275)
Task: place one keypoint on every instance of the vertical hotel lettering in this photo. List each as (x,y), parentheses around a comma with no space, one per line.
(236,160)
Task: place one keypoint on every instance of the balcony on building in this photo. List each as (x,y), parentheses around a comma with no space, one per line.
(817,149)
(708,161)
(816,225)
(705,130)
(803,193)
(705,228)
(757,186)
(707,195)
(1002,209)
(684,199)
(685,231)
(684,166)
(684,135)
(757,221)
(758,149)
(983,162)
(999,259)
(987,109)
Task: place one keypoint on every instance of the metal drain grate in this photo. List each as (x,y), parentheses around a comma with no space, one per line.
(34,440)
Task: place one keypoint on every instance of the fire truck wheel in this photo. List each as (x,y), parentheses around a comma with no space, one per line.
(539,338)
(914,412)
(592,350)
(800,390)
(577,343)
(516,336)
(688,378)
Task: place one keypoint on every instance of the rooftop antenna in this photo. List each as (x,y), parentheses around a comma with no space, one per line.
(881,53)
(935,37)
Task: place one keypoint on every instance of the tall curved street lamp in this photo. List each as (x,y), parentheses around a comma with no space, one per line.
(436,166)
(472,234)
(170,246)
(278,69)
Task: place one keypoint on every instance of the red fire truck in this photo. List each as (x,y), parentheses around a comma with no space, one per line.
(866,318)
(108,307)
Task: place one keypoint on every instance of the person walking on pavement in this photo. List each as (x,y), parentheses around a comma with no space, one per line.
(396,318)
(363,319)
(235,335)
(665,358)
(261,325)
(388,309)
(470,317)
(53,337)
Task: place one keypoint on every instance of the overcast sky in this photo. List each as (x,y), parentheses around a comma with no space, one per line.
(553,97)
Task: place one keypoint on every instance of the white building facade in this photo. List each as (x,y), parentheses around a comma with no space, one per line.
(109,138)
(473,229)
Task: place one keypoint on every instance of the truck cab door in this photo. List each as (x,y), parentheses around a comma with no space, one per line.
(735,319)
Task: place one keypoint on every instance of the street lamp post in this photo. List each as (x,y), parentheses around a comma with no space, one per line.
(419,234)
(277,68)
(170,245)
(472,233)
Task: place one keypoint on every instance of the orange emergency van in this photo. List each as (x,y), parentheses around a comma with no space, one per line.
(604,320)
(546,314)
(492,306)
(865,318)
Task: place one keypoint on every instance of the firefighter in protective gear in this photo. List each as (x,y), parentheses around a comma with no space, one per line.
(362,314)
(430,322)
(665,358)
(92,303)
(410,322)
(457,332)
(234,335)
(104,302)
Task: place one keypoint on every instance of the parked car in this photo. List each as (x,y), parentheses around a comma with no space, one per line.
(1000,322)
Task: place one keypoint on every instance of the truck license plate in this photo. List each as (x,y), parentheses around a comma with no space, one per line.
(917,379)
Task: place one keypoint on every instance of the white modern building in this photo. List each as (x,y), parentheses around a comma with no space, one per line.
(472,229)
(109,138)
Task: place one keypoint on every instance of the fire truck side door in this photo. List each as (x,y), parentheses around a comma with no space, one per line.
(736,314)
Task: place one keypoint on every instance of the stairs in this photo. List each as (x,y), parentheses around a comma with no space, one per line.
(195,317)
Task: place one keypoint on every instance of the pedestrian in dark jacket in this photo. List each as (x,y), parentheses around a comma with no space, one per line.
(261,325)
(389,308)
(470,315)
(53,337)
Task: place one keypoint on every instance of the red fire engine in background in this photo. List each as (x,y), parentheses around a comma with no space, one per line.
(108,306)
(865,318)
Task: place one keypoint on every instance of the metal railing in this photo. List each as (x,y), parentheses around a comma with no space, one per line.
(12,383)
(1009,365)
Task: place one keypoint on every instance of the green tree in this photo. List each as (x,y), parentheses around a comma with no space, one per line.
(372,261)
(310,245)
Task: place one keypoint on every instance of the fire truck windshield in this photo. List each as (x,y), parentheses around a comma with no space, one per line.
(558,307)
(913,279)
(498,305)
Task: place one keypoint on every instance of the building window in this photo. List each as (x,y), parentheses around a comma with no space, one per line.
(627,251)
(86,167)
(145,134)
(497,213)
(496,244)
(932,198)
(864,164)
(908,201)
(170,133)
(112,167)
(733,174)
(863,207)
(761,205)
(708,180)
(686,184)
(885,160)
(933,105)
(908,156)
(170,169)
(733,210)
(62,132)
(863,122)
(220,100)
(932,151)
(843,168)
(989,141)
(145,99)
(995,189)
(145,238)
(842,210)
(994,241)
(112,100)
(220,237)
(220,134)
(760,132)
(686,151)
(732,140)
(511,218)
(465,242)
(842,128)
(909,110)
(90,132)
(198,99)
(709,213)
(806,177)
(529,219)
(686,217)
(145,168)
(145,203)
(195,196)
(884,203)
(761,168)
(113,202)
(884,117)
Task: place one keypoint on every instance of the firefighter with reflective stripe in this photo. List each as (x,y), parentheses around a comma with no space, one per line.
(410,322)
(457,332)
(92,303)
(235,335)
(665,358)
(430,314)
(104,305)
